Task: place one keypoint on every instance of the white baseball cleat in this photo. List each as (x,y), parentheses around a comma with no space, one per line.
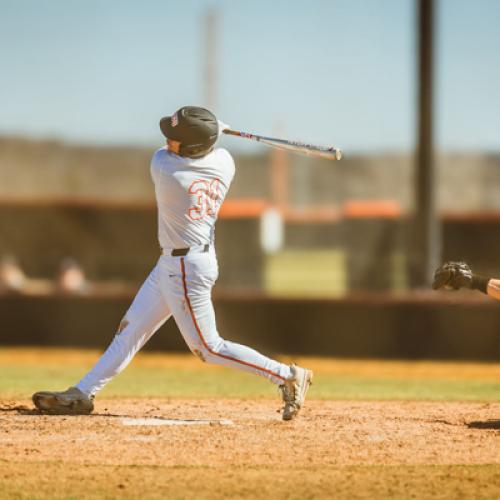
(294,391)
(72,401)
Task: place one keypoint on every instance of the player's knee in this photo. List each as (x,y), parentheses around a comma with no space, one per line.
(214,346)
(209,351)
(123,324)
(200,354)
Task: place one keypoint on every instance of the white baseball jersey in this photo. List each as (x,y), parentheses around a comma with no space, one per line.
(189,193)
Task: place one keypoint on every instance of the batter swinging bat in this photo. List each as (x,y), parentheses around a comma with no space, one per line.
(328,152)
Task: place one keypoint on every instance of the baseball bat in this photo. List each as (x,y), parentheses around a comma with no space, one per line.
(328,152)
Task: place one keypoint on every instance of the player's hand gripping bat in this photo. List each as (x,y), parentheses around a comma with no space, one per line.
(328,152)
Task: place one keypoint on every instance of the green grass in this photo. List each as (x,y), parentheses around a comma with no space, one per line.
(318,273)
(192,379)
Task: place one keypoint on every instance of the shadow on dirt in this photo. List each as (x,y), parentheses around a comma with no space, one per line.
(486,424)
(24,410)
(19,409)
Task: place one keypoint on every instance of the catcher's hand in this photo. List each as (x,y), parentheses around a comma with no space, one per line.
(452,276)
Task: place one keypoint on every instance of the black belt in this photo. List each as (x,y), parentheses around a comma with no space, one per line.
(180,252)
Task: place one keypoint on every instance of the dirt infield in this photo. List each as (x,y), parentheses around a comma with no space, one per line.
(350,449)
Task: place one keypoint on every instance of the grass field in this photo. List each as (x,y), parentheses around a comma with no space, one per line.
(22,371)
(370,429)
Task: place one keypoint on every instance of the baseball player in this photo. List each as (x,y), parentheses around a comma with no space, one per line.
(191,180)
(456,275)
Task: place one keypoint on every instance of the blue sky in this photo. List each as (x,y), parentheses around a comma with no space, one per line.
(329,71)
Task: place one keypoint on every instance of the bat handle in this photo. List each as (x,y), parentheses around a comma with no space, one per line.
(230,132)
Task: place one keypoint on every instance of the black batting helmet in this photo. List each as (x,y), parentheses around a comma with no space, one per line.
(195,128)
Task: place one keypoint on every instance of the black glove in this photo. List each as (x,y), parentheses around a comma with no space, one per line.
(452,276)
(456,275)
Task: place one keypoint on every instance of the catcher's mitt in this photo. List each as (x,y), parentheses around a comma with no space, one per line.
(452,276)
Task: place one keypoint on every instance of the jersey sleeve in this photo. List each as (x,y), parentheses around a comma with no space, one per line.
(153,166)
(228,162)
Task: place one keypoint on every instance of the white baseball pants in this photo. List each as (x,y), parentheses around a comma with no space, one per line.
(179,287)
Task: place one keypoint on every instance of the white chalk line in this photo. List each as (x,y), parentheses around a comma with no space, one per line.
(166,421)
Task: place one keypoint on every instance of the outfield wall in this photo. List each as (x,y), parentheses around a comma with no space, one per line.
(430,326)
(114,241)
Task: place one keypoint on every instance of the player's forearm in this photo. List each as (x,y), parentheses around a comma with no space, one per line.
(489,286)
(493,289)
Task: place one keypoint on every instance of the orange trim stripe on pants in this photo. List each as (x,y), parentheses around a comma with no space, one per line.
(198,329)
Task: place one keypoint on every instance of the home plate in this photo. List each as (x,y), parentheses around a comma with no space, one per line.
(177,421)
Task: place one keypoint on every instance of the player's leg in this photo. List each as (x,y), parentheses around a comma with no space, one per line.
(146,314)
(187,284)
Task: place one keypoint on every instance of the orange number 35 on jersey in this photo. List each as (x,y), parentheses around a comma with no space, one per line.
(208,198)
